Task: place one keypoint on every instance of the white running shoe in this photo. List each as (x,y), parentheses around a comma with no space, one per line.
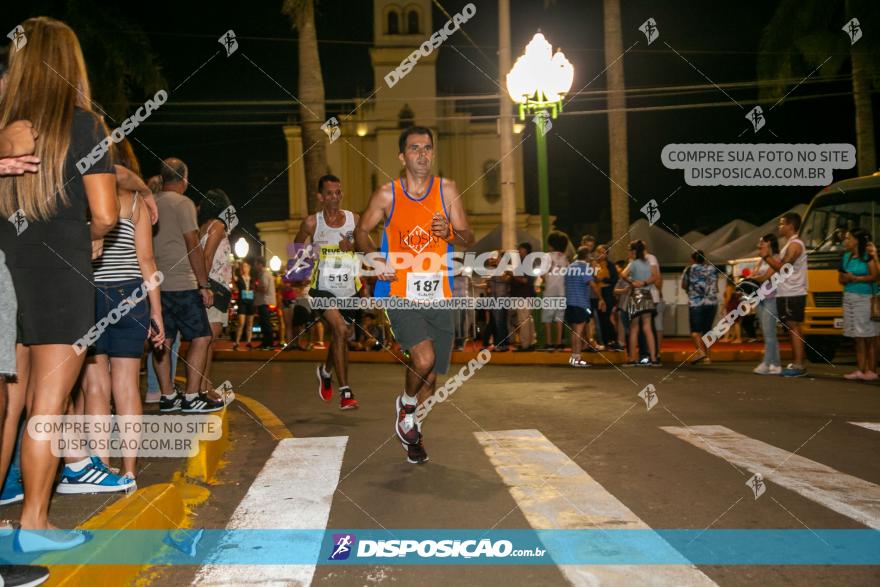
(762,369)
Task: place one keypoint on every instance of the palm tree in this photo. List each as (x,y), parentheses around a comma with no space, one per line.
(123,70)
(618,169)
(807,34)
(311,94)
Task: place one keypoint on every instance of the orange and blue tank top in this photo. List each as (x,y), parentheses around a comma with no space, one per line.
(407,235)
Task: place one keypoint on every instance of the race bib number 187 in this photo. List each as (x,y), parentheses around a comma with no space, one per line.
(424,286)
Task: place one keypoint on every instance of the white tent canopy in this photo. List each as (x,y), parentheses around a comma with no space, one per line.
(747,244)
(726,234)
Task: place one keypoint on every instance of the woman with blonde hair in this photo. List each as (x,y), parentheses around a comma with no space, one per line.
(50,258)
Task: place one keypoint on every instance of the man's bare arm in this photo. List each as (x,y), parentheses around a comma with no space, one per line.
(460,230)
(791,253)
(380,203)
(306,229)
(196,256)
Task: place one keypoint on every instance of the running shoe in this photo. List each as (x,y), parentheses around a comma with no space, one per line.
(23,575)
(762,369)
(577,362)
(415,453)
(325,384)
(48,540)
(793,371)
(201,404)
(170,403)
(13,491)
(93,478)
(346,399)
(406,427)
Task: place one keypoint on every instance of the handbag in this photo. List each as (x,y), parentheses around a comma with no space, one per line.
(222,295)
(640,300)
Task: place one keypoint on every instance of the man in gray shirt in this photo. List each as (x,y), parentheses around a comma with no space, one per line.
(186,292)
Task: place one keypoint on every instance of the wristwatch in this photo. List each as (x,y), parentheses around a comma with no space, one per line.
(206,286)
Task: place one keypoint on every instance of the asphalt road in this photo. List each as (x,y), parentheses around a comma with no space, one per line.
(682,464)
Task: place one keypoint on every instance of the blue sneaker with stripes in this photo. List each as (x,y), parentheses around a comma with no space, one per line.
(94,478)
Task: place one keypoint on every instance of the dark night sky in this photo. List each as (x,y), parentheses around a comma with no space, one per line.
(720,38)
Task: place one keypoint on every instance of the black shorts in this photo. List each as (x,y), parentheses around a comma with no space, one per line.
(791,309)
(301,316)
(701,318)
(577,315)
(350,316)
(185,312)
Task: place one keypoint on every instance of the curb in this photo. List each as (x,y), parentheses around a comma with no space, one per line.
(530,358)
(156,507)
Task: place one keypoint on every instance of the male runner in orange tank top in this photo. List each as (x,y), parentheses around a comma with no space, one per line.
(423,217)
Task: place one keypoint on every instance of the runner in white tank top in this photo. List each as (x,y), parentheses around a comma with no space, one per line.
(331,232)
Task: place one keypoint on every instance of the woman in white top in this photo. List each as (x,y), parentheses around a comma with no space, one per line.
(215,215)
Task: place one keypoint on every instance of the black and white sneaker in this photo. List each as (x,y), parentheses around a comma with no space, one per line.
(170,403)
(201,404)
(23,575)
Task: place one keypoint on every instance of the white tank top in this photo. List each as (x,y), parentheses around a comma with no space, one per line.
(336,271)
(796,283)
(327,235)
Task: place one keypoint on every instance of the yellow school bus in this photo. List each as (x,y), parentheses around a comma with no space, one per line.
(837,208)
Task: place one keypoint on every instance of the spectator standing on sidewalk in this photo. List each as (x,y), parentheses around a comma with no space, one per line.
(606,276)
(68,212)
(497,286)
(16,149)
(771,365)
(700,281)
(264,295)
(791,295)
(523,286)
(578,284)
(858,272)
(186,292)
(214,239)
(244,283)
(554,287)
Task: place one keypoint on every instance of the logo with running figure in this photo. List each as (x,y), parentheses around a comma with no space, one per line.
(342,547)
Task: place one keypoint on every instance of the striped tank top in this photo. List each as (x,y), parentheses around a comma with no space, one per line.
(119,261)
(421,261)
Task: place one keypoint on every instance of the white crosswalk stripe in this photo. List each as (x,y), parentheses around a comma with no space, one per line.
(302,474)
(553,492)
(869,425)
(847,495)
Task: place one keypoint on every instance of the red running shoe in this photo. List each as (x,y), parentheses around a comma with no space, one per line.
(325,384)
(346,399)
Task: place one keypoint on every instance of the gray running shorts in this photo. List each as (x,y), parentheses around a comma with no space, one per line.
(410,327)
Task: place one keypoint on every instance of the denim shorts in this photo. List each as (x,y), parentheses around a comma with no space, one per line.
(702,318)
(185,312)
(124,338)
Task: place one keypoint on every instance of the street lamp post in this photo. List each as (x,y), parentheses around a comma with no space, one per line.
(537,83)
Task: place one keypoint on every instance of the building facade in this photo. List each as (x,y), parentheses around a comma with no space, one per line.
(364,155)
